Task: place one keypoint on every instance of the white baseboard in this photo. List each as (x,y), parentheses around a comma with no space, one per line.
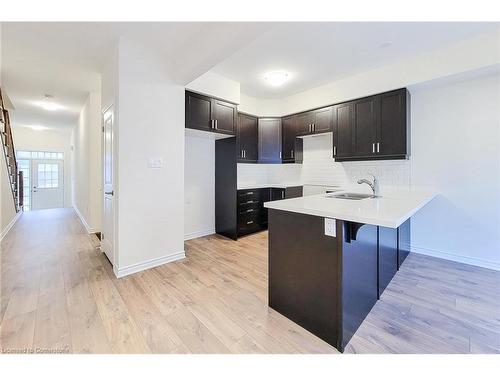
(10,225)
(138,267)
(88,228)
(200,233)
(456,258)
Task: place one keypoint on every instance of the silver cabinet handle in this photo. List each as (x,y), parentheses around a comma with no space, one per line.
(373,148)
(282,194)
(378,147)
(212,124)
(245,154)
(292,153)
(249,202)
(280,154)
(314,127)
(334,150)
(250,193)
(250,222)
(250,210)
(215,124)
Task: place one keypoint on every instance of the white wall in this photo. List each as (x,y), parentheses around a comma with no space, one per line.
(47,140)
(455,149)
(199,187)
(150,217)
(86,181)
(214,84)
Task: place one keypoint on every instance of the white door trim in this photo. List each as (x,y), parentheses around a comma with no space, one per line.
(113,188)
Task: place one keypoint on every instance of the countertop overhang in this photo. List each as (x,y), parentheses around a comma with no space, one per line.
(389,210)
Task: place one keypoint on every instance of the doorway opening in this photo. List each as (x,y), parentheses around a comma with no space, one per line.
(43,180)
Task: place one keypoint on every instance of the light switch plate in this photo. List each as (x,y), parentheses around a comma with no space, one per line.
(330,227)
(155,163)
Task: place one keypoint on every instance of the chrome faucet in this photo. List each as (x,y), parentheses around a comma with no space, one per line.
(373,185)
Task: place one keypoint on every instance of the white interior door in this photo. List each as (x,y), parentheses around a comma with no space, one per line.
(108,220)
(48,185)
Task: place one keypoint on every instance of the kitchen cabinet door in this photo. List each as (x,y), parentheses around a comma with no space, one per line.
(270,140)
(343,141)
(365,127)
(198,111)
(323,119)
(247,136)
(304,123)
(224,116)
(289,135)
(393,127)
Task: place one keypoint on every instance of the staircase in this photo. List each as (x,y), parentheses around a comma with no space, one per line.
(15,176)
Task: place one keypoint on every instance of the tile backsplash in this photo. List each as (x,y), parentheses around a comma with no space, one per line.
(318,168)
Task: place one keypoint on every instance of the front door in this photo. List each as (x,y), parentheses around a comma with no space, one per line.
(108,220)
(48,189)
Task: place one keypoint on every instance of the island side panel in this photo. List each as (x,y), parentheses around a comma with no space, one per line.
(359,277)
(388,256)
(404,241)
(304,272)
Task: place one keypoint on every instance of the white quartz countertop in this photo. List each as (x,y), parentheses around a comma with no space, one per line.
(389,210)
(244,186)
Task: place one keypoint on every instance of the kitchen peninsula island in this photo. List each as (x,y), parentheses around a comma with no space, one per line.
(332,255)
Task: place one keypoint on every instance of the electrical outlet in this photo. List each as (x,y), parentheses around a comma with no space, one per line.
(155,163)
(330,227)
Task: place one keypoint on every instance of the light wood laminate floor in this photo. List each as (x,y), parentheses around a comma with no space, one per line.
(58,293)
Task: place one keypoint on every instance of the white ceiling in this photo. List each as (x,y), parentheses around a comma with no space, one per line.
(317,53)
(65,59)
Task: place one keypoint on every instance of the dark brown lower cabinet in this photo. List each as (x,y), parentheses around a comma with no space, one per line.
(252,215)
(327,285)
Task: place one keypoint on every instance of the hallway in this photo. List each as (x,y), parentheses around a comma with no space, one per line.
(59,294)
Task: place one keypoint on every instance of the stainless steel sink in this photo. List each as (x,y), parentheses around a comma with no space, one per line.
(351,196)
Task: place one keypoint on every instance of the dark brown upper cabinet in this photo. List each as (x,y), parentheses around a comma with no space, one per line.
(291,145)
(269,140)
(393,130)
(205,113)
(304,123)
(365,119)
(376,128)
(315,122)
(343,130)
(198,111)
(323,119)
(247,137)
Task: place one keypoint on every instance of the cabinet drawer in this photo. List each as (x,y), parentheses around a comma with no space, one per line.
(249,196)
(249,208)
(249,222)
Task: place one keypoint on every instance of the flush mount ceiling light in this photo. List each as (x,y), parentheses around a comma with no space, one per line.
(37,127)
(276,78)
(48,103)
